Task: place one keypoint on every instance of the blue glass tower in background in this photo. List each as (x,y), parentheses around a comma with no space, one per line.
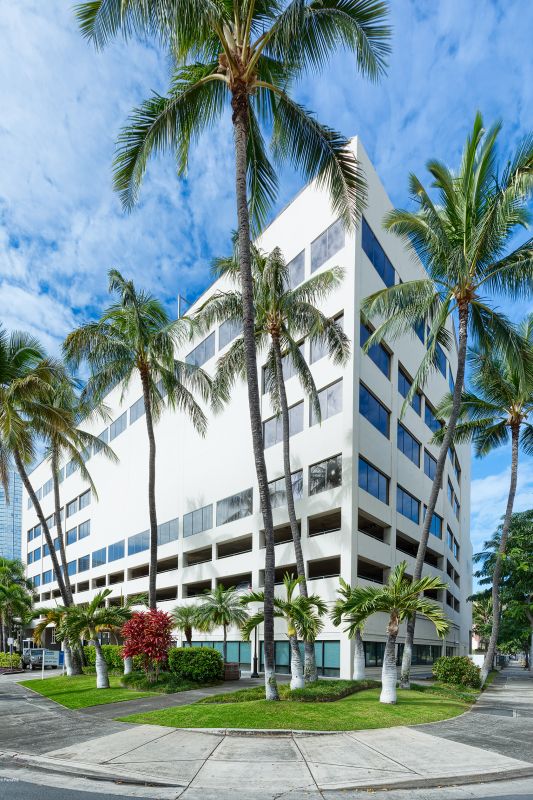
(11,518)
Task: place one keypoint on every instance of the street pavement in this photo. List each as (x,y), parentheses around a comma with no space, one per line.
(39,736)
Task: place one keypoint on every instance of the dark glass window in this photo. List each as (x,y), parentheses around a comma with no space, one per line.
(373,481)
(72,535)
(136,410)
(325,475)
(327,244)
(435,527)
(168,531)
(404,385)
(84,529)
(71,567)
(235,507)
(118,426)
(319,349)
(138,543)
(440,359)
(84,563)
(330,400)
(407,505)
(376,254)
(372,410)
(99,557)
(431,420)
(296,269)
(228,331)
(377,353)
(430,465)
(72,507)
(408,445)
(202,352)
(115,551)
(198,521)
(273,427)
(84,499)
(278,495)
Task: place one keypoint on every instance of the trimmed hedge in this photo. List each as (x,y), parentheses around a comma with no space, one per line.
(10,661)
(112,654)
(199,664)
(458,671)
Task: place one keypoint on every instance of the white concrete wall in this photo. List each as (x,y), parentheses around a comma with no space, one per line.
(193,471)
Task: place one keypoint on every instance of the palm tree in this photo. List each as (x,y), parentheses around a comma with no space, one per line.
(15,601)
(73,444)
(463,241)
(136,337)
(247,56)
(87,620)
(184,618)
(302,616)
(498,409)
(12,573)
(284,316)
(482,619)
(26,378)
(221,608)
(400,598)
(57,618)
(343,612)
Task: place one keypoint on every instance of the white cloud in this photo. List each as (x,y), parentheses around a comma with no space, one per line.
(489,500)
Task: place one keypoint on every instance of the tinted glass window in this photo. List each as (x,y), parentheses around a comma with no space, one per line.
(330,400)
(296,269)
(376,254)
(373,481)
(408,445)
(372,410)
(198,521)
(407,505)
(202,352)
(235,507)
(137,410)
(278,495)
(325,475)
(377,353)
(118,426)
(327,244)
(228,331)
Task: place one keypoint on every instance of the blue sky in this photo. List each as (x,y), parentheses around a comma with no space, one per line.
(62,228)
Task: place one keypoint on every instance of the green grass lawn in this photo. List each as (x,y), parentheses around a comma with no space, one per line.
(356,712)
(80,691)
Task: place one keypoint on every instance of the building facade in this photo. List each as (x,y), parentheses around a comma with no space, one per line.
(11,517)
(361,477)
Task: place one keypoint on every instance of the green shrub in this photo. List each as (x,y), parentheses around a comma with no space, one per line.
(112,654)
(322,691)
(166,683)
(458,671)
(199,664)
(10,661)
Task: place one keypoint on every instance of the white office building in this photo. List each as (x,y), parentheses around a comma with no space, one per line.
(361,477)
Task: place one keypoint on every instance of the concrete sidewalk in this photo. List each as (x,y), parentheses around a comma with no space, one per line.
(207,764)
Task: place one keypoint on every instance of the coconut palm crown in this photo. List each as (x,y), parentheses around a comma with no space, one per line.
(464,239)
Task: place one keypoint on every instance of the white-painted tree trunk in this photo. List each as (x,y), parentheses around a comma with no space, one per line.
(297,670)
(389,675)
(358,657)
(128,665)
(102,676)
(271,687)
(68,658)
(531,652)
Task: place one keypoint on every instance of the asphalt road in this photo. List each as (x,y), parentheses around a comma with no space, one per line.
(15,789)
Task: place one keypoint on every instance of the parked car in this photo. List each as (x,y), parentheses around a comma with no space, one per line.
(32,658)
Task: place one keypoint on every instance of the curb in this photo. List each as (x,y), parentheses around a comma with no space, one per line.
(93,772)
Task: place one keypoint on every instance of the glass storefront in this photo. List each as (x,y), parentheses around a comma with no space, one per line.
(327,657)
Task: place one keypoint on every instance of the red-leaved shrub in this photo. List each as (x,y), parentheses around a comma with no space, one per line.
(148,634)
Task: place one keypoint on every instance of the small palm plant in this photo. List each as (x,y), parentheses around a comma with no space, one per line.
(15,602)
(55,617)
(400,598)
(302,616)
(343,613)
(185,619)
(464,240)
(221,608)
(284,317)
(135,337)
(246,57)
(499,408)
(86,621)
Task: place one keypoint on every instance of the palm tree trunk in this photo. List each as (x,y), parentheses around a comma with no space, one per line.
(498,566)
(102,675)
(152,580)
(68,657)
(389,675)
(59,526)
(310,671)
(33,497)
(240,125)
(188,636)
(297,673)
(225,645)
(437,483)
(128,665)
(358,657)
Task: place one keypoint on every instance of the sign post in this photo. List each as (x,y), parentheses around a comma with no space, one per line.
(10,641)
